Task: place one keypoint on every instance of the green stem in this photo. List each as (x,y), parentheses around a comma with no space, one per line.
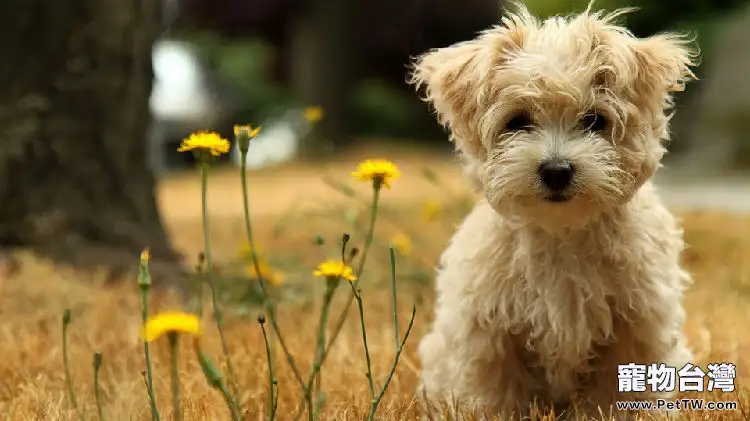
(320,353)
(266,297)
(399,350)
(393,295)
(399,343)
(97,389)
(230,402)
(358,297)
(331,285)
(149,377)
(368,242)
(175,374)
(66,364)
(344,314)
(271,380)
(218,316)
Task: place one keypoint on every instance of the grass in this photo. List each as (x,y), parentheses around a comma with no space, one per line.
(107,319)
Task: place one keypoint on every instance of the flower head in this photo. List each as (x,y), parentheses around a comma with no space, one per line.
(205,141)
(431,210)
(144,277)
(171,322)
(380,171)
(145,256)
(402,244)
(335,269)
(243,134)
(266,273)
(246,131)
(313,114)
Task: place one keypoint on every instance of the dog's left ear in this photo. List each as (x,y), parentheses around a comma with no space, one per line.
(664,64)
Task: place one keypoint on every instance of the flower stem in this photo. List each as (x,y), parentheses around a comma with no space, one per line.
(393,295)
(376,187)
(97,388)
(175,374)
(149,377)
(331,285)
(271,379)
(399,342)
(399,350)
(218,316)
(368,242)
(358,297)
(270,310)
(66,364)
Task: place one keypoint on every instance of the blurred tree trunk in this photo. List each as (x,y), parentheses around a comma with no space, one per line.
(322,67)
(74,91)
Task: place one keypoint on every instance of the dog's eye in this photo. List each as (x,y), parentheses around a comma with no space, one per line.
(594,122)
(518,122)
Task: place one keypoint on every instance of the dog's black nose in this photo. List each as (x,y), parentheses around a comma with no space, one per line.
(556,174)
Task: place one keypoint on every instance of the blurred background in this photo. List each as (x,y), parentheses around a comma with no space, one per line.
(255,60)
(95,101)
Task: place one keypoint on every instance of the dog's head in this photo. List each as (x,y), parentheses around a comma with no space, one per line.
(557,119)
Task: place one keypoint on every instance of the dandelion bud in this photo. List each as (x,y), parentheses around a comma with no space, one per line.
(318,240)
(243,135)
(98,359)
(144,276)
(66,316)
(201,257)
(346,237)
(145,256)
(262,319)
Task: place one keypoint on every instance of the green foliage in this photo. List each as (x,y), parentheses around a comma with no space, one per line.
(384,110)
(242,65)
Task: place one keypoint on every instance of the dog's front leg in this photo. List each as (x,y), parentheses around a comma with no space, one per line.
(646,342)
(467,369)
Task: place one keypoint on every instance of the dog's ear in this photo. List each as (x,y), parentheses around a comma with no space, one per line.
(663,66)
(455,78)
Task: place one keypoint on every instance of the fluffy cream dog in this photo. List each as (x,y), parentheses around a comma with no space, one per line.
(569,265)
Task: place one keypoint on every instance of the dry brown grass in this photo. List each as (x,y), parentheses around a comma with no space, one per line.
(32,384)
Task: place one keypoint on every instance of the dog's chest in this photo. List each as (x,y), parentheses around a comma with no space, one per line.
(558,300)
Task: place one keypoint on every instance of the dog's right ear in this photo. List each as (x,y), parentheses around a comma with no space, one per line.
(456,79)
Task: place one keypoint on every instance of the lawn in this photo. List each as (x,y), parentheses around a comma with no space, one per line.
(292,205)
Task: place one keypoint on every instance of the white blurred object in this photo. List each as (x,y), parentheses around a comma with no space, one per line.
(278,141)
(184,98)
(179,92)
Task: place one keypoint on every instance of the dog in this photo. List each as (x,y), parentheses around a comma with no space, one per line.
(569,264)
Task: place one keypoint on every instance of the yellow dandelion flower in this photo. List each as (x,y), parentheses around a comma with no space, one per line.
(335,269)
(431,210)
(145,256)
(402,244)
(164,323)
(205,141)
(377,170)
(313,114)
(267,273)
(247,131)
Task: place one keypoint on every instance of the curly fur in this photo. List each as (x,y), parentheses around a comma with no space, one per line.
(540,300)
